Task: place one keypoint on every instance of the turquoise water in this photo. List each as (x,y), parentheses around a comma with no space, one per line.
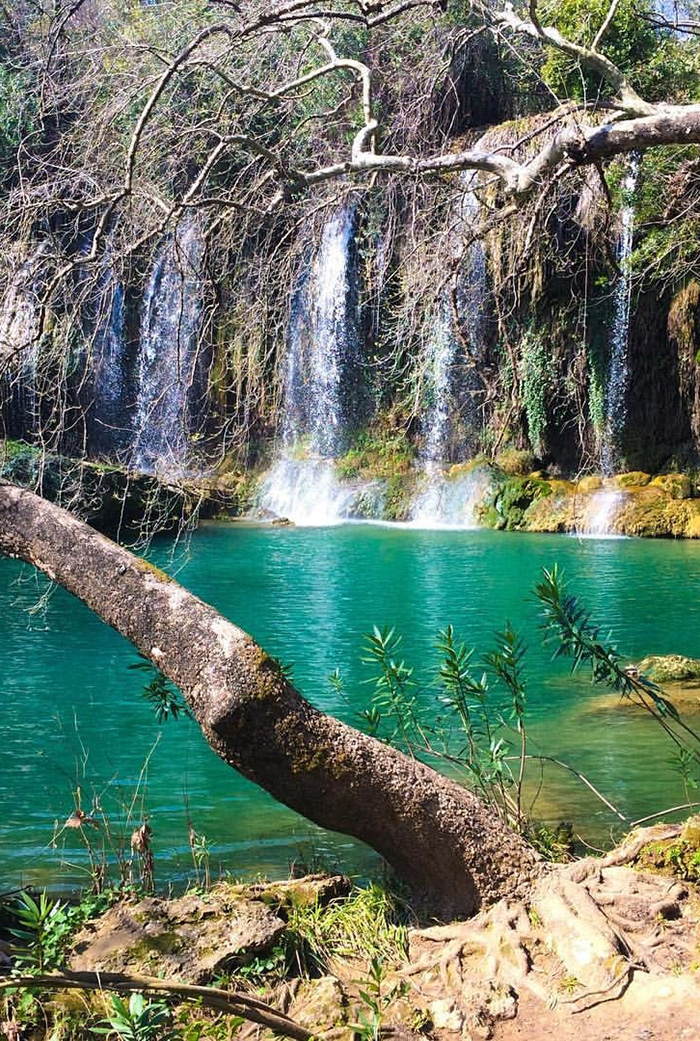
(71,715)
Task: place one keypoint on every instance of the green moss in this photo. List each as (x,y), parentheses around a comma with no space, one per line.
(513,497)
(515,462)
(398,497)
(678,486)
(160,943)
(146,568)
(634,479)
(680,858)
(376,454)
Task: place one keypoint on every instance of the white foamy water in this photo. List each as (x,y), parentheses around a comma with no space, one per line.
(450,502)
(308,493)
(600,513)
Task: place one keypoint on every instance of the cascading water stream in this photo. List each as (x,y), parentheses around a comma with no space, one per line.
(443,502)
(168,360)
(322,371)
(111,420)
(618,370)
(605,503)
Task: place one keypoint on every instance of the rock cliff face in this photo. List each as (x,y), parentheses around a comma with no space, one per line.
(398,312)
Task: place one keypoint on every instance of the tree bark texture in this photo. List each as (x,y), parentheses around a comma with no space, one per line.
(454,852)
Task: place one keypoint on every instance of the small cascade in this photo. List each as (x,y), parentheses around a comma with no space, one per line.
(169,357)
(110,414)
(599,515)
(451,502)
(618,369)
(322,384)
(307,492)
(443,502)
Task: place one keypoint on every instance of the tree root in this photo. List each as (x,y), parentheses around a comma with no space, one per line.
(583,934)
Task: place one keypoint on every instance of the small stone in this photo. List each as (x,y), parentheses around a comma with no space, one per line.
(445,1015)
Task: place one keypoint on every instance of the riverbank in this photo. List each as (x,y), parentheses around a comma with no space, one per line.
(336,961)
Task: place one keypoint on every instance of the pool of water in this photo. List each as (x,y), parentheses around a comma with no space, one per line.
(72,718)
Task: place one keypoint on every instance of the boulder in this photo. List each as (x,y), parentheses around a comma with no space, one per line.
(669,668)
(192,937)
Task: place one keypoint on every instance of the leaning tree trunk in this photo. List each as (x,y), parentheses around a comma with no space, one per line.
(439,837)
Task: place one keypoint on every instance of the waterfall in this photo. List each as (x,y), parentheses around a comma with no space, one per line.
(601,514)
(168,354)
(618,369)
(323,376)
(110,418)
(442,501)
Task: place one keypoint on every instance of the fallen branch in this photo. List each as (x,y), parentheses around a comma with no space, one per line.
(234,1003)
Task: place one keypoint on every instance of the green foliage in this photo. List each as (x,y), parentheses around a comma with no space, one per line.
(140,1020)
(368,924)
(632,43)
(272,964)
(568,624)
(18,109)
(481,726)
(375,998)
(393,687)
(680,858)
(45,927)
(39,924)
(473,726)
(165,699)
(536,376)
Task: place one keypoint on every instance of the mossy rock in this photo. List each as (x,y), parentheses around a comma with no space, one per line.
(515,462)
(669,668)
(552,513)
(590,483)
(320,1005)
(398,497)
(192,937)
(679,858)
(677,486)
(479,462)
(512,500)
(650,513)
(633,479)
(376,454)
